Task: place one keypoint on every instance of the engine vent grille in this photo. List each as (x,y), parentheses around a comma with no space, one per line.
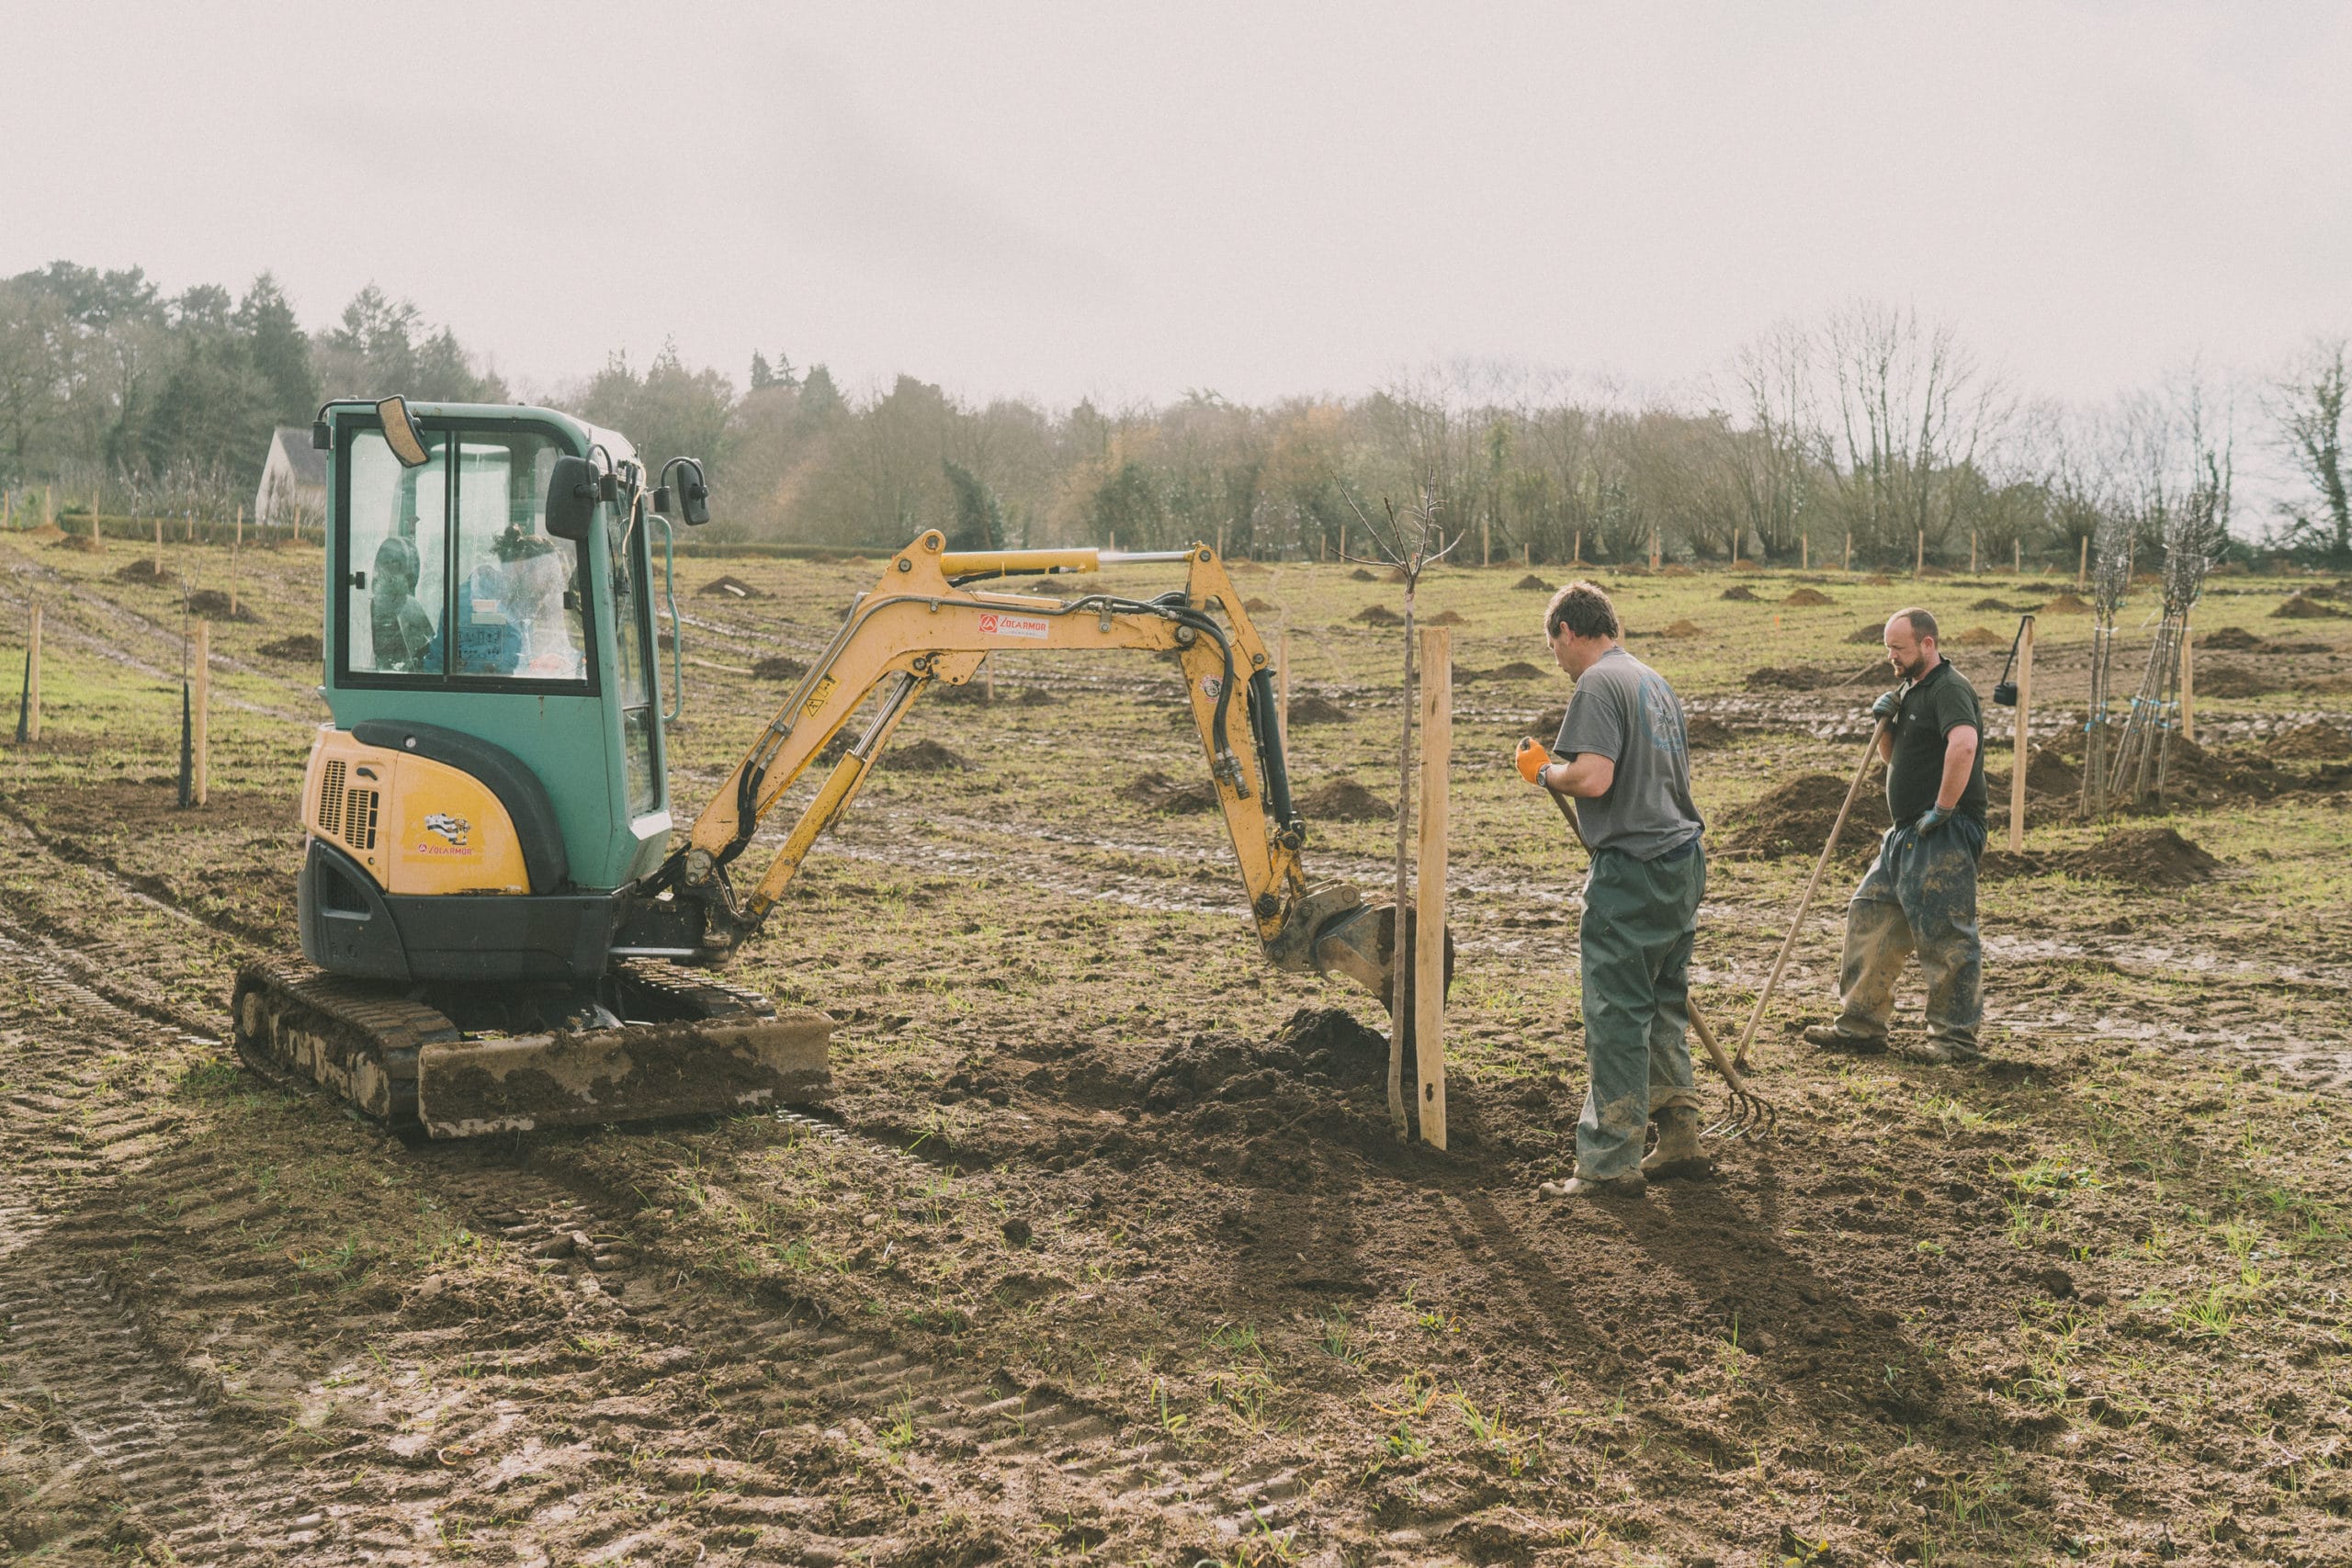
(331,801)
(359,819)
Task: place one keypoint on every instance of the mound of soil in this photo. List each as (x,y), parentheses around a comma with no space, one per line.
(1321,1047)
(296,648)
(780,667)
(1379,615)
(1162,793)
(1807,598)
(1875,634)
(1036,697)
(2233,681)
(2230,639)
(1316,710)
(80,543)
(1794,818)
(1545,726)
(1684,628)
(140,570)
(925,757)
(1255,605)
(1704,733)
(1796,678)
(1533,581)
(1051,588)
(1980,636)
(729,588)
(1880,580)
(2278,646)
(1344,800)
(973,693)
(1675,569)
(1463,674)
(2311,742)
(2065,604)
(2047,774)
(213,605)
(1360,575)
(1516,670)
(2308,605)
(2145,857)
(1990,604)
(1445,618)
(1739,592)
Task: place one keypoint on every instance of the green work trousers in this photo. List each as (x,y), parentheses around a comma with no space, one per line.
(1640,919)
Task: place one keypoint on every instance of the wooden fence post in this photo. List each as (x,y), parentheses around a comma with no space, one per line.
(2083,565)
(236,549)
(1804,552)
(1578,560)
(1486,542)
(1653,550)
(1972,552)
(203,709)
(1919,561)
(2017,557)
(29,702)
(2024,740)
(49,506)
(2188,683)
(1849,549)
(159,546)
(1429,946)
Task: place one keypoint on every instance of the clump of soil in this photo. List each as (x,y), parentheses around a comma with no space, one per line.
(2230,639)
(1360,575)
(1794,818)
(729,588)
(1684,628)
(1534,583)
(213,605)
(1796,678)
(1463,674)
(2066,605)
(1255,605)
(1051,588)
(1545,726)
(1980,636)
(973,693)
(1675,569)
(1446,618)
(780,667)
(1704,733)
(295,647)
(1807,598)
(2233,681)
(1316,710)
(1741,593)
(2306,607)
(140,570)
(1379,615)
(1880,580)
(1344,800)
(80,543)
(1319,1046)
(925,757)
(2311,742)
(2147,857)
(1162,793)
(1873,633)
(1516,670)
(1989,603)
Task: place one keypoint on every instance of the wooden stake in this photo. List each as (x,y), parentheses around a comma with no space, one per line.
(2016,556)
(2024,738)
(988,681)
(1653,550)
(28,726)
(1527,555)
(2188,682)
(1804,552)
(189,519)
(1919,563)
(1428,944)
(1323,547)
(1734,547)
(2083,565)
(1972,552)
(1849,549)
(1579,549)
(236,549)
(159,546)
(1281,687)
(48,506)
(203,709)
(1486,543)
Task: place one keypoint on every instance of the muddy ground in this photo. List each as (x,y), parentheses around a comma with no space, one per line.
(1102,1252)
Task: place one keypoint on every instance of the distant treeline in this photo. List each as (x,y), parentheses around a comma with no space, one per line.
(1867,425)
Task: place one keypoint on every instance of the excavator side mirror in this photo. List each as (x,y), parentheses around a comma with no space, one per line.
(572,494)
(690,494)
(401,434)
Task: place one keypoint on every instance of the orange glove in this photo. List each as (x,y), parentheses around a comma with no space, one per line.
(1532,759)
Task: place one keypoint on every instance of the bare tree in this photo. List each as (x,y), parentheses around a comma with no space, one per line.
(1913,409)
(2307,405)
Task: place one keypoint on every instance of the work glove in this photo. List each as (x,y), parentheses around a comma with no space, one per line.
(1532,759)
(1884,709)
(1932,818)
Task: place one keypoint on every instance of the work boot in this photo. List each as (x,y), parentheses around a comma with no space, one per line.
(1934,1053)
(1829,1037)
(1676,1155)
(1629,1185)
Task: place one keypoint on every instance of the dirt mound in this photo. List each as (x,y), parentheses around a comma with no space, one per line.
(1255,605)
(296,648)
(2308,605)
(925,757)
(1980,636)
(779,667)
(1740,593)
(1321,1047)
(1676,568)
(1797,678)
(2233,681)
(1344,800)
(729,588)
(1516,670)
(1533,581)
(213,605)
(2230,639)
(80,543)
(1704,733)
(2065,604)
(1990,604)
(1880,580)
(140,570)
(1162,793)
(2047,774)
(1051,588)
(2145,857)
(1378,615)
(1807,598)
(1875,634)
(1684,628)
(1316,710)
(1446,618)
(2311,742)
(1794,818)
(1360,575)
(1545,726)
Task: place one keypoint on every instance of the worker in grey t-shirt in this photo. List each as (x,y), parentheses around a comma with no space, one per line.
(1624,753)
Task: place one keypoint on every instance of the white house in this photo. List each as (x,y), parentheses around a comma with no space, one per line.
(293,481)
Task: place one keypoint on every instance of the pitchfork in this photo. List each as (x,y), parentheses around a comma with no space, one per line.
(1747,1114)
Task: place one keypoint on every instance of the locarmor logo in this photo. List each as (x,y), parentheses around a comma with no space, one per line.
(448,828)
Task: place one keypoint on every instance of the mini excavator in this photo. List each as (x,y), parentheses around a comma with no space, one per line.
(498,929)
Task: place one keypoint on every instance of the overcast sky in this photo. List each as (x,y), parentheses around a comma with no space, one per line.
(1132,200)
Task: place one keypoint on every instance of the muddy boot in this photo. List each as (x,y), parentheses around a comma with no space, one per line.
(1676,1155)
(1829,1037)
(1933,1052)
(1630,1185)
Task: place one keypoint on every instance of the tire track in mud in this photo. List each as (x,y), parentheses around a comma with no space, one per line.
(973,1436)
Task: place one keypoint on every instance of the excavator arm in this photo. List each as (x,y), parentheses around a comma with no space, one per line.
(922,623)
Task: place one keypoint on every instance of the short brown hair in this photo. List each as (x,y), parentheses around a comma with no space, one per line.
(1584,609)
(1922,623)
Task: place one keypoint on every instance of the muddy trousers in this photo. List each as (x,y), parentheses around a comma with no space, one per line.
(1640,919)
(1918,895)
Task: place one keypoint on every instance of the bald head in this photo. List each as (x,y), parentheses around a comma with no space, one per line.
(1911,643)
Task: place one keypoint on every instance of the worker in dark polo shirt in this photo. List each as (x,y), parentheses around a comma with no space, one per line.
(1919,896)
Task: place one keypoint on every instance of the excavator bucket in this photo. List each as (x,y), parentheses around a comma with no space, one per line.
(1362,945)
(465,1088)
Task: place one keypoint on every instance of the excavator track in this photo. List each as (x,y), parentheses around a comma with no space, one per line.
(703,1046)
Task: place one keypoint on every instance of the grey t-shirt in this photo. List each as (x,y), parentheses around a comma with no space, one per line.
(1623,710)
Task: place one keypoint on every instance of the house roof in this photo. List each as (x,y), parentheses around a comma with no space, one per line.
(304,461)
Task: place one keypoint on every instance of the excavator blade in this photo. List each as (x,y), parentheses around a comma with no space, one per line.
(1362,945)
(468,1088)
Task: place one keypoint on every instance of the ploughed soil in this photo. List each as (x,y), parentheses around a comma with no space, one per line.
(1807,598)
(1795,816)
(295,647)
(1314,709)
(729,588)
(1801,678)
(1344,800)
(779,667)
